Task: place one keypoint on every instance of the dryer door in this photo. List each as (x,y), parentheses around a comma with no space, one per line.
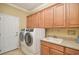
(28,39)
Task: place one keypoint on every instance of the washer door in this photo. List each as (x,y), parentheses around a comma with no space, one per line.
(28,39)
(21,36)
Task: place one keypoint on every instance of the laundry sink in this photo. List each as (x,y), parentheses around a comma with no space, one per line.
(55,40)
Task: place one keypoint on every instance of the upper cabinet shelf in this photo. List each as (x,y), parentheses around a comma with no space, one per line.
(59,15)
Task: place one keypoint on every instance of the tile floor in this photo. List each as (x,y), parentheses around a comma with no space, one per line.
(14,52)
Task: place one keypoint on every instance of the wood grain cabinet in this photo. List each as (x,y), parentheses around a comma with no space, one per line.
(59,15)
(33,20)
(36,20)
(72,11)
(44,50)
(51,49)
(54,49)
(69,51)
(41,20)
(29,22)
(55,52)
(48,17)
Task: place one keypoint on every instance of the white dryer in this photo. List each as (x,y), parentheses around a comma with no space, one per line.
(31,43)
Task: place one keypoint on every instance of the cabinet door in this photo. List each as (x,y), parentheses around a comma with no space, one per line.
(55,52)
(29,21)
(71,51)
(48,17)
(54,46)
(73,15)
(41,20)
(59,15)
(33,20)
(37,18)
(44,50)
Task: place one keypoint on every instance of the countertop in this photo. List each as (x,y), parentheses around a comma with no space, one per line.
(66,43)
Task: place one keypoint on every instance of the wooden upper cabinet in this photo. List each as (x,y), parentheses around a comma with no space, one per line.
(41,20)
(33,21)
(36,20)
(29,21)
(72,14)
(48,17)
(59,15)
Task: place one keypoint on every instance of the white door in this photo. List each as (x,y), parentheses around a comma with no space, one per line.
(9,33)
(1,35)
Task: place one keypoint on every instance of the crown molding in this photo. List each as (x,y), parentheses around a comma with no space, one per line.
(43,6)
(17,7)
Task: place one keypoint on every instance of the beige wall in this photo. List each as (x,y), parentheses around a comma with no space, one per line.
(15,12)
(62,32)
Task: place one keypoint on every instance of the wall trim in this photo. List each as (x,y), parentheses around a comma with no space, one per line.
(45,5)
(22,9)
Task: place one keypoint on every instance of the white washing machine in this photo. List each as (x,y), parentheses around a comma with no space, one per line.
(22,34)
(30,45)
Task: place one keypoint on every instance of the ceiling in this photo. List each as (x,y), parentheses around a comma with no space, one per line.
(28,6)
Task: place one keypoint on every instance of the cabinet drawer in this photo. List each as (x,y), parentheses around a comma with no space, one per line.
(71,51)
(54,46)
(55,52)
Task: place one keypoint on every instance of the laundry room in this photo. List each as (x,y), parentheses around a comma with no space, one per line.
(39,28)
